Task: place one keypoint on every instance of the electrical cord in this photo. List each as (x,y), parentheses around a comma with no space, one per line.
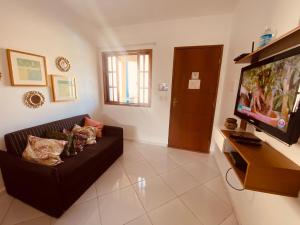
(226,177)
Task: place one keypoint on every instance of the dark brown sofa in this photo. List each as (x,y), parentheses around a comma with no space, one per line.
(54,189)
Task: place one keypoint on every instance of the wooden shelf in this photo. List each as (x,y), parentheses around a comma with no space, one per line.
(267,169)
(241,174)
(284,42)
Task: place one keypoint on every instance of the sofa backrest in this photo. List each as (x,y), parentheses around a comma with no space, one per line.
(16,142)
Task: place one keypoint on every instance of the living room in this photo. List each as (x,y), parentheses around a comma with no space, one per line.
(84,36)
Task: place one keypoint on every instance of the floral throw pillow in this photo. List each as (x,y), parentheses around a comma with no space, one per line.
(57,135)
(87,133)
(79,140)
(44,151)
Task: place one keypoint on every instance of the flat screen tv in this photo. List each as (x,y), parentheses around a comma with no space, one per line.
(268,95)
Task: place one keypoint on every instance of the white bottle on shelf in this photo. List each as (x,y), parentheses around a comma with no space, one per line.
(265,38)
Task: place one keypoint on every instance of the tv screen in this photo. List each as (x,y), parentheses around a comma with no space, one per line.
(268,93)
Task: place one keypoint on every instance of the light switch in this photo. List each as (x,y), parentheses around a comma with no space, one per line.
(163,87)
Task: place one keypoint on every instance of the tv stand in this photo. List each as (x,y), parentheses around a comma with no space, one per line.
(243,125)
(267,169)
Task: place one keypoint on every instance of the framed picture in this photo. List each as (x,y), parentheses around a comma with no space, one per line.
(26,69)
(63,88)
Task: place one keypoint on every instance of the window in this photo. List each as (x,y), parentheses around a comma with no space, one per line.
(127,77)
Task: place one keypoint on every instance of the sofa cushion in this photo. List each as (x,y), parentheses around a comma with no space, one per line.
(44,151)
(88,133)
(86,166)
(69,148)
(72,167)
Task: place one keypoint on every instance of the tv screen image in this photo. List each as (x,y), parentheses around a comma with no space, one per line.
(269,89)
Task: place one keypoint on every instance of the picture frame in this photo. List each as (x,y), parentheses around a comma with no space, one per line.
(63,88)
(26,69)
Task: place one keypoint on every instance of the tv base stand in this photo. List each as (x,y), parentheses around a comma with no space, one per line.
(267,169)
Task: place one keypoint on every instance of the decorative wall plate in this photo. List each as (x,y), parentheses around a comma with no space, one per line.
(34,99)
(63,64)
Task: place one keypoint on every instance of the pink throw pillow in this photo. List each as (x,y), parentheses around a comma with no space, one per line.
(94,123)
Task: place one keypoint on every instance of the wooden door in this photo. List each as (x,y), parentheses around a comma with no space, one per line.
(192,110)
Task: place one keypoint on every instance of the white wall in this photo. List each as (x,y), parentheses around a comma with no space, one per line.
(151,124)
(249,21)
(26,30)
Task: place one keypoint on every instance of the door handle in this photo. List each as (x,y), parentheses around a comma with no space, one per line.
(174,102)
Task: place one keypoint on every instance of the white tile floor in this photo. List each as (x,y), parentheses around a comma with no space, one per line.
(148,185)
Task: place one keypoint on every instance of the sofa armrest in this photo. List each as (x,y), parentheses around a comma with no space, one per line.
(8,161)
(35,184)
(112,131)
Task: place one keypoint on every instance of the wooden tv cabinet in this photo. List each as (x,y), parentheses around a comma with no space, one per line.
(267,169)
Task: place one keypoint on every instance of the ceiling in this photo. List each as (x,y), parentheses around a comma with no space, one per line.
(103,13)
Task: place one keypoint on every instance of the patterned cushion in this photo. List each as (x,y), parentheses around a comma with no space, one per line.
(88,133)
(79,140)
(69,148)
(94,123)
(44,151)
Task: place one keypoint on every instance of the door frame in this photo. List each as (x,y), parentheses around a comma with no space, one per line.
(215,100)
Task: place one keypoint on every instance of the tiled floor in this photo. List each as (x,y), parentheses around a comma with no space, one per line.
(148,185)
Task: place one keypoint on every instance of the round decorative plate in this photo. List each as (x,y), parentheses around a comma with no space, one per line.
(63,64)
(34,99)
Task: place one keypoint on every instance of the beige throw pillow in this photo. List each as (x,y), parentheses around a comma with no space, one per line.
(44,151)
(87,132)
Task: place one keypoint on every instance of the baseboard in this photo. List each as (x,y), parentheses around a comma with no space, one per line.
(146,142)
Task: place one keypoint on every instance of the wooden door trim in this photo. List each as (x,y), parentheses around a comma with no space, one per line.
(218,79)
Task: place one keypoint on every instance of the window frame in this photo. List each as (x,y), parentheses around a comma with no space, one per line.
(105,74)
